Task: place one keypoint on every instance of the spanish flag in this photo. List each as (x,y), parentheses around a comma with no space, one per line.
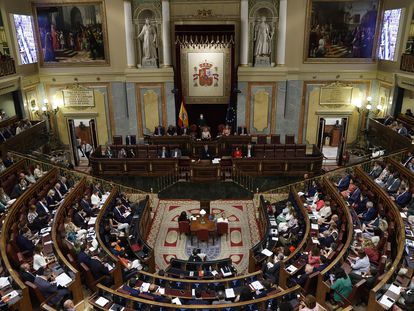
(183,116)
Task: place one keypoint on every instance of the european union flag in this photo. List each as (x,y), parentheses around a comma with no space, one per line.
(231,117)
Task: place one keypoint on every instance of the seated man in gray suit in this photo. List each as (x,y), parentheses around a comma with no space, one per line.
(45,283)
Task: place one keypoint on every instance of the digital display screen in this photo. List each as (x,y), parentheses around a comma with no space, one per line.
(25,38)
(389,34)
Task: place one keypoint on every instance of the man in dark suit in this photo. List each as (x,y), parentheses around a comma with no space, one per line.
(79,217)
(407,159)
(98,271)
(402,197)
(184,131)
(18,189)
(64,186)
(58,194)
(8,161)
(43,283)
(176,153)
(402,130)
(163,153)
(122,214)
(198,300)
(42,208)
(130,287)
(393,183)
(86,206)
(206,153)
(83,257)
(25,273)
(159,131)
(23,242)
(242,130)
(343,183)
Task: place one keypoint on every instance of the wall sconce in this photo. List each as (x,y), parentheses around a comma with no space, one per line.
(360,107)
(45,107)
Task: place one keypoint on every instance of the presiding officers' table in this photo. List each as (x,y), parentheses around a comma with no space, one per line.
(199,222)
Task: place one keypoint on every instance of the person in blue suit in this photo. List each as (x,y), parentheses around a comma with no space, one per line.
(343,183)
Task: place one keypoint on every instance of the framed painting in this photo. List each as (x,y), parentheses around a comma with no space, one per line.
(71,33)
(206,75)
(341,31)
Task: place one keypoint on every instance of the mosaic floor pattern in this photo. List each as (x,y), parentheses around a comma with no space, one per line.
(243,232)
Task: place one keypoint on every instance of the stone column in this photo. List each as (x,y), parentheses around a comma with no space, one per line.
(129,35)
(281,39)
(166,38)
(244,32)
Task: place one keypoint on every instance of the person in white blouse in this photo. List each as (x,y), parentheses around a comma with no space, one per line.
(39,260)
(95,200)
(325,211)
(38,172)
(361,263)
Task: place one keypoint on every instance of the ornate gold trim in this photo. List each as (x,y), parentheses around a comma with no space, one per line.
(322,83)
(101,3)
(307,60)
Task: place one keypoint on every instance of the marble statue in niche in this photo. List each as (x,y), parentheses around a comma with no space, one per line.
(263,35)
(148,36)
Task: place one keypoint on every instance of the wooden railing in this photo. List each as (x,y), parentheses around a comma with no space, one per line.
(407,62)
(117,271)
(7,66)
(399,235)
(27,140)
(385,137)
(25,302)
(324,288)
(131,300)
(61,213)
(283,274)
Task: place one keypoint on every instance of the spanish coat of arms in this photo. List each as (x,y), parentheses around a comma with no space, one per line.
(205,75)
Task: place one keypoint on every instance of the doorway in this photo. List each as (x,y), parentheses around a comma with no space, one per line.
(80,131)
(332,137)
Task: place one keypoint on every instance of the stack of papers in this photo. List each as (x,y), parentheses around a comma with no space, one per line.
(267,252)
(257,285)
(4,281)
(314,227)
(291,269)
(92,221)
(101,301)
(225,273)
(160,290)
(386,301)
(145,287)
(230,293)
(177,301)
(395,289)
(63,279)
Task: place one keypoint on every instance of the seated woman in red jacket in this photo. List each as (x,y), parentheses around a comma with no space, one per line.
(314,258)
(237,153)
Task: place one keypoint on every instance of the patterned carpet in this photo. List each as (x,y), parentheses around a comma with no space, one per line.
(243,232)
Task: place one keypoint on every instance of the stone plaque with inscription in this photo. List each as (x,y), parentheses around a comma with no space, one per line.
(78,97)
(335,95)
